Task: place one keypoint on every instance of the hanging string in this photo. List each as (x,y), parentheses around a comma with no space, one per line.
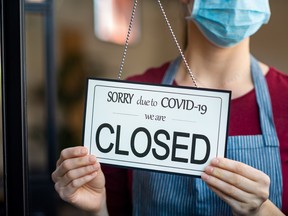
(177,44)
(127,39)
(173,36)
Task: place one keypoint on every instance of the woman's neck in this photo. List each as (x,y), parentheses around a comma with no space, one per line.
(215,67)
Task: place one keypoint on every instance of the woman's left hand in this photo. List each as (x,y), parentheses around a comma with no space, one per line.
(242,187)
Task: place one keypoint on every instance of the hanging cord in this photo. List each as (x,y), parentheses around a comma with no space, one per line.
(127,39)
(177,44)
(172,33)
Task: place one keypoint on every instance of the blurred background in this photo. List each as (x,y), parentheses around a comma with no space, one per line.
(70,40)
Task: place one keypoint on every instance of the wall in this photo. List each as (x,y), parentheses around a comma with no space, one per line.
(270,44)
(154,47)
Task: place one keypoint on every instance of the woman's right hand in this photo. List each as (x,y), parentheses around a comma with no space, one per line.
(80,181)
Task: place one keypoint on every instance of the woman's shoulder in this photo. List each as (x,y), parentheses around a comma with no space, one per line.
(277,83)
(278,87)
(152,75)
(277,78)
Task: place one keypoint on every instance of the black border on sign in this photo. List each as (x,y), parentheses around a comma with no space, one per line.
(162,85)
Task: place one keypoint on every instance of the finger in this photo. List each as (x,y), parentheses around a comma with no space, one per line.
(67,191)
(227,199)
(71,153)
(78,173)
(238,207)
(232,178)
(227,189)
(239,168)
(71,164)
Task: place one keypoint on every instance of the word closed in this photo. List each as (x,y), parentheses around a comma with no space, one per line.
(152,144)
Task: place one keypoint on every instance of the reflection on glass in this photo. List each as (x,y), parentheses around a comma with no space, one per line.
(112,18)
(35,92)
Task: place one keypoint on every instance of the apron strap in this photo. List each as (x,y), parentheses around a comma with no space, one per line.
(171,71)
(264,104)
(262,97)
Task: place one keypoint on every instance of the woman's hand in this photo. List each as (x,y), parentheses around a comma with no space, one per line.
(79,180)
(242,187)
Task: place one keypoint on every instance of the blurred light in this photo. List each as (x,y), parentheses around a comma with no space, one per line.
(112,18)
(35,1)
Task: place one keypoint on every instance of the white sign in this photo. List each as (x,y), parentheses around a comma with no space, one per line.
(162,128)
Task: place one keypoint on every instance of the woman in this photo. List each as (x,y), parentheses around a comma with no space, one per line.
(251,180)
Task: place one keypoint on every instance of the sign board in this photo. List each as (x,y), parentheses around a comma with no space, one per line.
(155,127)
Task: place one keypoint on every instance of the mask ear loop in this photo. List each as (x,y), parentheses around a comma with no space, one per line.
(173,36)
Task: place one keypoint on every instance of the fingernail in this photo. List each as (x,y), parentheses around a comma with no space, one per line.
(95,166)
(204,176)
(209,169)
(216,161)
(83,151)
(92,158)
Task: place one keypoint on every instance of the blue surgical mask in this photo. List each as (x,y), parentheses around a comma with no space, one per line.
(227,22)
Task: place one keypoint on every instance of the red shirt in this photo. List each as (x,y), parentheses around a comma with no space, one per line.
(244,120)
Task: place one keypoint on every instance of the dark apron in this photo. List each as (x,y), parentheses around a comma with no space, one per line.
(169,194)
